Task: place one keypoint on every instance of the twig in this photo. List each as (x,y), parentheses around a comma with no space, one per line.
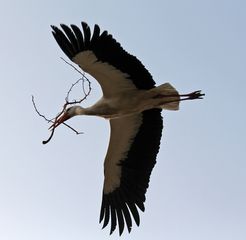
(52,121)
(37,111)
(83,79)
(71,88)
(71,65)
(51,135)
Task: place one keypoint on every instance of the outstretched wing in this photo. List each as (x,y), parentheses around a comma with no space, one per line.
(103,57)
(133,147)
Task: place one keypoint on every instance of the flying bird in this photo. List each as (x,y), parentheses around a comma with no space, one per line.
(132,104)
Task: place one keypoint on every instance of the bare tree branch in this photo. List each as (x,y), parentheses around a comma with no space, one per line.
(71,65)
(83,79)
(86,91)
(37,111)
(53,120)
(51,135)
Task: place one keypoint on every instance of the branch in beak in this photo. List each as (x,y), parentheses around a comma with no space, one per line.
(59,120)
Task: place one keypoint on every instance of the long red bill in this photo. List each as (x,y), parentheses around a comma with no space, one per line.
(59,121)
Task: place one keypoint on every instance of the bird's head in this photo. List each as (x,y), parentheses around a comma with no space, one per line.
(69,113)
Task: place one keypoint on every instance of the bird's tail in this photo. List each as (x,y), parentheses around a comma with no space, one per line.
(169,96)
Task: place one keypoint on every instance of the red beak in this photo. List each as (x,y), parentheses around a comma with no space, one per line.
(60,120)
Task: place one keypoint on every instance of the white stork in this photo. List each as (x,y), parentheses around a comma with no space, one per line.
(133,106)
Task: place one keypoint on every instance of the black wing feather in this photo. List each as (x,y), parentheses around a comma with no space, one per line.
(96,34)
(87,35)
(79,37)
(71,37)
(112,215)
(63,42)
(127,217)
(107,212)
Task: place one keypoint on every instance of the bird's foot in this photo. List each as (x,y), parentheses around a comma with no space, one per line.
(191,96)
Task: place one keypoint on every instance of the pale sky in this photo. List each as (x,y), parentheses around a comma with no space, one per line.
(197,189)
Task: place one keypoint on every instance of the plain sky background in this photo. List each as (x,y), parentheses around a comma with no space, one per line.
(197,189)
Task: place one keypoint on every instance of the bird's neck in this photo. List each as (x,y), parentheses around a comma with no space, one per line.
(84,111)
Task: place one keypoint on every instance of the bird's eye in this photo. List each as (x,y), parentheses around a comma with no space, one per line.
(68,110)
